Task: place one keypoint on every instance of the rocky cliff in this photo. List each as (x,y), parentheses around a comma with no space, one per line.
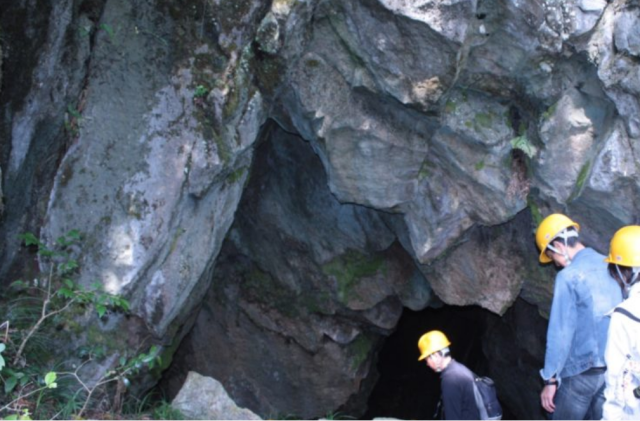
(282,179)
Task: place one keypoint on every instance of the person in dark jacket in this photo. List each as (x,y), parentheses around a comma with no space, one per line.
(457,380)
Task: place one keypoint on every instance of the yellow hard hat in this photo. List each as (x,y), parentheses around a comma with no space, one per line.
(625,247)
(432,342)
(549,229)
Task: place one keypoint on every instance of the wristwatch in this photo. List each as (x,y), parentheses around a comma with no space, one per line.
(550,381)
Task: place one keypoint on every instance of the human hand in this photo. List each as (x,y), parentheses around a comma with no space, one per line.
(546,397)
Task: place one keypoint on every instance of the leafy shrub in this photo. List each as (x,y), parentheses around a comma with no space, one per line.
(33,383)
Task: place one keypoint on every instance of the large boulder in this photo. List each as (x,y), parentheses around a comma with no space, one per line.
(204,398)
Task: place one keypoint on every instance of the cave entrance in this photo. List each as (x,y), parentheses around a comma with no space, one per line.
(407,388)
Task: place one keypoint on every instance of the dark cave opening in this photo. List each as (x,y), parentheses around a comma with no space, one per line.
(407,388)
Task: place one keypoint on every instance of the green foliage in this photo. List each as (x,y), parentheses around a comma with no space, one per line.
(480,165)
(151,406)
(26,355)
(73,112)
(50,380)
(522,143)
(109,30)
(338,416)
(201,91)
(550,111)
(21,415)
(164,411)
(424,171)
(84,31)
(582,176)
(237,175)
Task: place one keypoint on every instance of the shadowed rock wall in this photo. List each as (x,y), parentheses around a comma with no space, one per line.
(304,276)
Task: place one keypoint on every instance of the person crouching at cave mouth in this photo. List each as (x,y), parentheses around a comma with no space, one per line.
(584,292)
(457,380)
(622,390)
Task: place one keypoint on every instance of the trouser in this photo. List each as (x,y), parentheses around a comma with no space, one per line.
(580,397)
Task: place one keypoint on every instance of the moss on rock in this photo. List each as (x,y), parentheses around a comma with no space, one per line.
(359,350)
(351,267)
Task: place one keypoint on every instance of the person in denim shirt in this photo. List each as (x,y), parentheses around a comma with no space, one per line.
(584,293)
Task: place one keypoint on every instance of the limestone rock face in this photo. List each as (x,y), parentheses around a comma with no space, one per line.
(353,56)
(204,398)
(302,171)
(169,168)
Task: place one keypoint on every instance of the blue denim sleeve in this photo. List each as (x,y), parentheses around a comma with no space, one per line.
(562,327)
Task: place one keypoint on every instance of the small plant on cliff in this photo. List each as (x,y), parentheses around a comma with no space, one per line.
(164,411)
(109,30)
(72,119)
(522,143)
(201,91)
(35,315)
(200,95)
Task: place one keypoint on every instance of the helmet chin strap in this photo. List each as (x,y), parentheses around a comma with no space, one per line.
(564,234)
(635,271)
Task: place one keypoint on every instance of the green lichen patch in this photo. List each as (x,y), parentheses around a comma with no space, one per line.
(484,120)
(582,177)
(350,268)
(166,358)
(316,302)
(550,111)
(176,237)
(210,133)
(312,63)
(425,170)
(260,287)
(359,350)
(237,175)
(536,215)
(524,144)
(450,107)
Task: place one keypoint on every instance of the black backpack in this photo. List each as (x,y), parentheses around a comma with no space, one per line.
(486,396)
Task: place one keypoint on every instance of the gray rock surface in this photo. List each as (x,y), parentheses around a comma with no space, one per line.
(204,398)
